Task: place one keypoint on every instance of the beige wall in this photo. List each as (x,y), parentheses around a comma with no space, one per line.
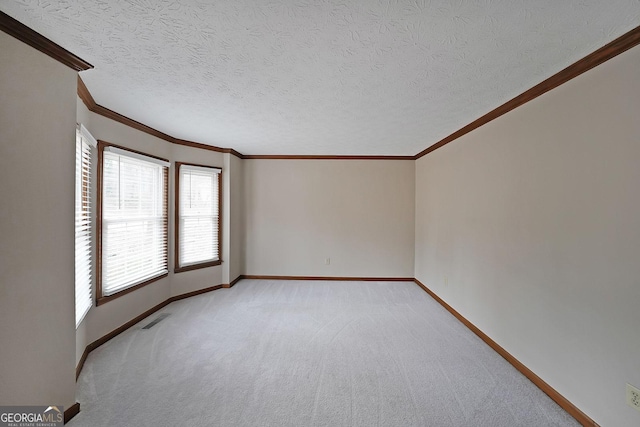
(236,255)
(535,221)
(37,162)
(359,213)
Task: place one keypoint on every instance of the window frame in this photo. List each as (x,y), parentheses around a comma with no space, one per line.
(206,264)
(100,297)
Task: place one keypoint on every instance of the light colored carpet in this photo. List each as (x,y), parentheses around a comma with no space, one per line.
(296,353)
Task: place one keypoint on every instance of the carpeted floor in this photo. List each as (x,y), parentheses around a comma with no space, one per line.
(296,353)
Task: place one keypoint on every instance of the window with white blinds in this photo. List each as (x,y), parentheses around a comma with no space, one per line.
(134,219)
(198,216)
(85,148)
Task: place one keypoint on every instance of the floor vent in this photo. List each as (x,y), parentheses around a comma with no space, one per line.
(156,320)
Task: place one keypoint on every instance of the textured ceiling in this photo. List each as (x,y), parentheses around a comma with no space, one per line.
(324,76)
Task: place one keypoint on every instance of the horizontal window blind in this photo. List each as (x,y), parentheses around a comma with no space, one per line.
(137,156)
(85,146)
(134,220)
(199,215)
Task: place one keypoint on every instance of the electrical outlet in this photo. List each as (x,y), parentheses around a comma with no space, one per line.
(633,397)
(327,261)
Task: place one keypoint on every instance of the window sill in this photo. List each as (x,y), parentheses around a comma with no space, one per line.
(103,299)
(197,266)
